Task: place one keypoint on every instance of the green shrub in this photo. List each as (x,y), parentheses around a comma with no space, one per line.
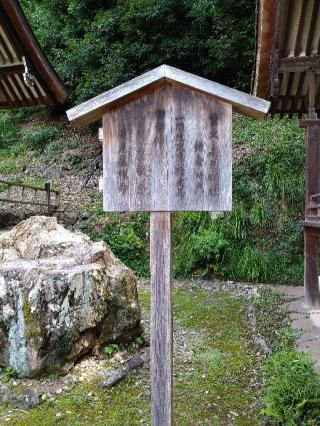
(54,149)
(110,350)
(37,137)
(128,238)
(292,389)
(203,251)
(9,373)
(9,132)
(25,114)
(139,340)
(259,215)
(236,221)
(75,160)
(252,265)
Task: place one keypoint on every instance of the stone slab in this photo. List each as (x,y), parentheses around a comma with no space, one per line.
(305,319)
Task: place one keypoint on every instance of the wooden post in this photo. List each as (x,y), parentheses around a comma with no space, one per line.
(311,287)
(312,187)
(161,318)
(311,279)
(48,190)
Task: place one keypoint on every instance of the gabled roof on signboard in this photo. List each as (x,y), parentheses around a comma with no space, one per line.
(93,109)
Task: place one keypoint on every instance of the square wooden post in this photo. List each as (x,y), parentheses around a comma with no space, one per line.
(312,190)
(311,280)
(48,194)
(311,234)
(161,318)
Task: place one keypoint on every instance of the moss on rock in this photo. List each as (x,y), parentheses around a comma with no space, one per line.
(32,328)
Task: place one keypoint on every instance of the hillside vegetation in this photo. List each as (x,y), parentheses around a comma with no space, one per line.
(95,45)
(260,240)
(98,44)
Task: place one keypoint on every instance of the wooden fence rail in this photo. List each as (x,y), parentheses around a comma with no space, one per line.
(19,193)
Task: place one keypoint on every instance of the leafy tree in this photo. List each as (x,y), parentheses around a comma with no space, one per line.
(97,44)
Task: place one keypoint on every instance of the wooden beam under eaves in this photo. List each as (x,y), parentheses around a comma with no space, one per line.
(11,69)
(299,63)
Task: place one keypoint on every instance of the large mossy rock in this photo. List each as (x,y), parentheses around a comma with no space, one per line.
(61,296)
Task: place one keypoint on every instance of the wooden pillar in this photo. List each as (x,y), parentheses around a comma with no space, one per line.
(161,319)
(48,194)
(311,279)
(312,188)
(311,287)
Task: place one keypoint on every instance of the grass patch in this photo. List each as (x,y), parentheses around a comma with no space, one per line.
(14,157)
(217,374)
(9,132)
(291,393)
(292,389)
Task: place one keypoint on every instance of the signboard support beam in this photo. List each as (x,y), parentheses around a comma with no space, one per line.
(161,318)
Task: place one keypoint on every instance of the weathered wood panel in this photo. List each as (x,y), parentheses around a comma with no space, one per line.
(161,319)
(168,151)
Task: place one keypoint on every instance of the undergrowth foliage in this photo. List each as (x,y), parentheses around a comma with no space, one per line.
(8,130)
(37,137)
(260,240)
(291,387)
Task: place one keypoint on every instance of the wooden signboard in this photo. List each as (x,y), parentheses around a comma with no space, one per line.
(166,147)
(169,150)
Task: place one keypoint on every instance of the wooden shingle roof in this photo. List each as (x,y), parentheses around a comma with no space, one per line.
(26,76)
(288,46)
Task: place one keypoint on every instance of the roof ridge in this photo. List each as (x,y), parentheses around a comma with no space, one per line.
(93,109)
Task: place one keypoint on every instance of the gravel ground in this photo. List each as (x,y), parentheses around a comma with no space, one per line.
(211,331)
